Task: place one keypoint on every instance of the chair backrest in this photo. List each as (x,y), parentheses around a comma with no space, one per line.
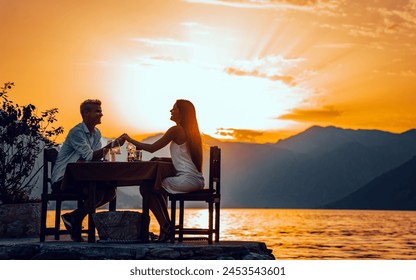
(215,169)
(49,158)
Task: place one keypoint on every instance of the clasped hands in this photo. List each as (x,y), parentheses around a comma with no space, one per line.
(125,137)
(122,139)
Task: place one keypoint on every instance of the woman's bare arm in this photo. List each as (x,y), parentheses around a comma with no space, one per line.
(159,144)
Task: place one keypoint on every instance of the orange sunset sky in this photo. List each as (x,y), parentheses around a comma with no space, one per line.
(256,70)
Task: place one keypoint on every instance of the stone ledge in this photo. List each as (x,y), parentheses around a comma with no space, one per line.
(22,249)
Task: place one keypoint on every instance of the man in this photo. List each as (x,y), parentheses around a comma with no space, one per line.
(83,143)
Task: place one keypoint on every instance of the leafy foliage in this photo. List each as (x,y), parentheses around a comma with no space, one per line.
(23,136)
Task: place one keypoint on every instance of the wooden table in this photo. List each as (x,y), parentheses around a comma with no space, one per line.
(121,174)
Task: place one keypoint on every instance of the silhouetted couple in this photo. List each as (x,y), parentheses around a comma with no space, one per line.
(83,143)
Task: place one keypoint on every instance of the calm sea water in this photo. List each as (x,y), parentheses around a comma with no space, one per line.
(318,234)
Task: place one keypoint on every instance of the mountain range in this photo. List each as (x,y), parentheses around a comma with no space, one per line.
(393,190)
(317,168)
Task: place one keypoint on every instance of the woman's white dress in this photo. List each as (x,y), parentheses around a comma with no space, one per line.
(187,178)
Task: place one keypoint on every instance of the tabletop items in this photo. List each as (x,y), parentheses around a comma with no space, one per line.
(132,153)
(109,154)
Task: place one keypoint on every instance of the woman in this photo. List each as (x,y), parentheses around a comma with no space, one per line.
(187,156)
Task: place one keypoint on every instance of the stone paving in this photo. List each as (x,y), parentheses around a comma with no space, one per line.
(65,249)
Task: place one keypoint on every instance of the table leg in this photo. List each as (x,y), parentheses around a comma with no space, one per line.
(145,218)
(91,210)
(112,205)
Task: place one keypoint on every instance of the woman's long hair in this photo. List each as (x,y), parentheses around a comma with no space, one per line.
(193,136)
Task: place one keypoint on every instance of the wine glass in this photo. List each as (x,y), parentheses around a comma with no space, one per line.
(131,150)
(115,146)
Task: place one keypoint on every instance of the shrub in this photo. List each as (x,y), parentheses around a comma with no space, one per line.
(23,136)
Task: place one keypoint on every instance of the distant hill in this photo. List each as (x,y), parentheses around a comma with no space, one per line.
(311,169)
(393,190)
(308,170)
(324,139)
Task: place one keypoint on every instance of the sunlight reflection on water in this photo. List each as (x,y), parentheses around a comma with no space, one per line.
(317,234)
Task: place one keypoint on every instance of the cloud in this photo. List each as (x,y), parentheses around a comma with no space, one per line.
(197,28)
(319,115)
(243,135)
(406,74)
(402,15)
(380,19)
(255,73)
(335,46)
(155,60)
(274,68)
(164,42)
(253,136)
(361,31)
(372,19)
(268,4)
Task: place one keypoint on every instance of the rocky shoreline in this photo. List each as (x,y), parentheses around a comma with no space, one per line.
(27,249)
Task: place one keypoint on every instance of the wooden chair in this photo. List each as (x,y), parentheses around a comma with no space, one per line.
(49,158)
(211,195)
